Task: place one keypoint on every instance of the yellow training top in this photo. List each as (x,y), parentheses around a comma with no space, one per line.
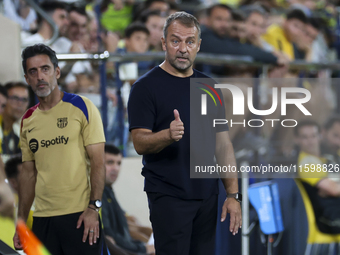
(312,168)
(276,37)
(56,139)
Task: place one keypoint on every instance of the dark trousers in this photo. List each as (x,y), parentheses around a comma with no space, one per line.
(183,227)
(60,236)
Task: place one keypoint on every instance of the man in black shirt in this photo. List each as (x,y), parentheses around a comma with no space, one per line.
(182,210)
(216,39)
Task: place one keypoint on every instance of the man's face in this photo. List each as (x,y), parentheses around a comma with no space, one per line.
(41,75)
(3,102)
(311,33)
(112,165)
(220,21)
(155,26)
(308,139)
(60,17)
(17,103)
(77,27)
(331,137)
(138,42)
(239,30)
(181,46)
(255,26)
(93,29)
(293,29)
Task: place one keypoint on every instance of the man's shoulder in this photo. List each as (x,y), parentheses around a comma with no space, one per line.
(75,99)
(198,74)
(30,111)
(78,101)
(306,158)
(148,78)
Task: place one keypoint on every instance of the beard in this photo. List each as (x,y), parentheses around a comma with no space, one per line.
(46,91)
(179,65)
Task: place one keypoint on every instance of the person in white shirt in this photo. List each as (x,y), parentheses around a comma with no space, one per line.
(20,12)
(58,12)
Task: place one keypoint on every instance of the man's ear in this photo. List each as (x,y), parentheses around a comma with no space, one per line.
(163,43)
(199,45)
(58,72)
(26,78)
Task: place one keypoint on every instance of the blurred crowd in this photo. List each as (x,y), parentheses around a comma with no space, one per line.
(270,32)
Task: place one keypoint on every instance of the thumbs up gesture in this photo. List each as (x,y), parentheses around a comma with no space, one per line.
(176,127)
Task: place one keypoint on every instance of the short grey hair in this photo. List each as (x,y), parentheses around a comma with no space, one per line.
(185,19)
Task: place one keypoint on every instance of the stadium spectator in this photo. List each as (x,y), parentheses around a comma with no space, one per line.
(3,98)
(115,223)
(17,103)
(306,43)
(116,15)
(323,191)
(137,38)
(58,12)
(154,21)
(7,229)
(282,38)
(6,196)
(88,82)
(330,146)
(255,25)
(78,19)
(20,12)
(136,41)
(216,39)
(201,16)
(238,29)
(74,41)
(91,42)
(220,19)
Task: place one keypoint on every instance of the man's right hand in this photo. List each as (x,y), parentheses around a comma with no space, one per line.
(75,48)
(16,241)
(176,127)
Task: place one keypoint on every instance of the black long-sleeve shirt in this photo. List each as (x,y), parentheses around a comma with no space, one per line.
(115,223)
(212,43)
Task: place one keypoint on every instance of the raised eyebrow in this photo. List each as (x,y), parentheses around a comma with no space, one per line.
(191,38)
(31,69)
(176,36)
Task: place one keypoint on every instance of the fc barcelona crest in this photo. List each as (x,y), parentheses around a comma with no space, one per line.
(62,122)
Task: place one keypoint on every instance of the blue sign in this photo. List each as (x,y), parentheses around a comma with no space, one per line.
(264,197)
